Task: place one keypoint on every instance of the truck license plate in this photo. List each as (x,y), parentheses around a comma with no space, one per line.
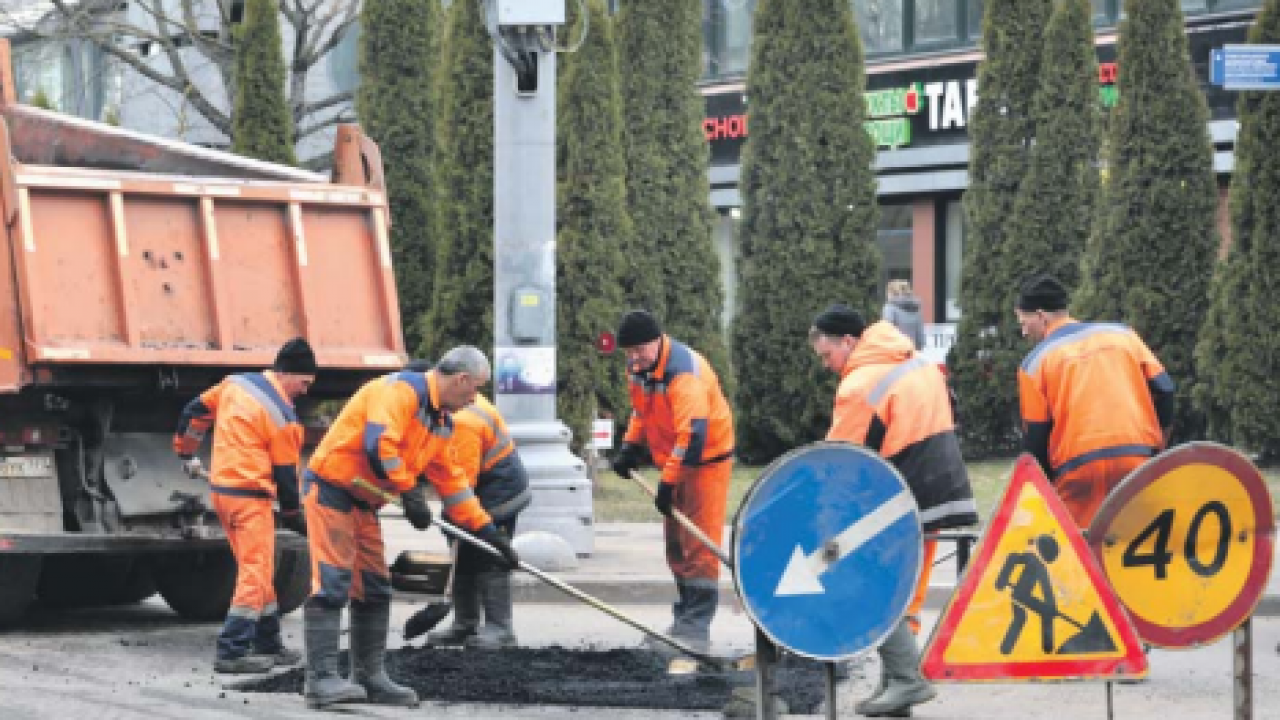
(26,466)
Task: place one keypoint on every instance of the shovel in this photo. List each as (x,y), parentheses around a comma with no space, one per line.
(720,663)
(685,522)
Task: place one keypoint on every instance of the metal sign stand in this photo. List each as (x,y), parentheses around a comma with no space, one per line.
(766,685)
(1242,664)
(831,690)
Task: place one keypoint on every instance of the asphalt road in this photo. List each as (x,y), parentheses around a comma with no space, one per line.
(142,662)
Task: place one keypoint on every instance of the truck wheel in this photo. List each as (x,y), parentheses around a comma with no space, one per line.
(198,586)
(21,575)
(293,578)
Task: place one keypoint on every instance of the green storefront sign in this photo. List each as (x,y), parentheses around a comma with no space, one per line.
(888,113)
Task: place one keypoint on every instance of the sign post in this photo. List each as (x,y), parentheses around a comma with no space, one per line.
(826,528)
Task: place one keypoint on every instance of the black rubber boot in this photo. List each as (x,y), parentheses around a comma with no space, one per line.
(466,613)
(498,630)
(904,685)
(323,685)
(369,625)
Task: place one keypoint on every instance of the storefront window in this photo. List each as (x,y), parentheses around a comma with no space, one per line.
(894,239)
(953,254)
(935,21)
(726,27)
(975,19)
(880,22)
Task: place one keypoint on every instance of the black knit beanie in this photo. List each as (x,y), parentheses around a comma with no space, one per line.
(1042,292)
(295,357)
(839,320)
(637,328)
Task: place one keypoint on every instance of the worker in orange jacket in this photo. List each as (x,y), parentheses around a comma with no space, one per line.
(256,446)
(679,412)
(1096,403)
(487,455)
(895,402)
(394,434)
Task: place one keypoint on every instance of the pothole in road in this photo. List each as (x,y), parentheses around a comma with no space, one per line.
(558,676)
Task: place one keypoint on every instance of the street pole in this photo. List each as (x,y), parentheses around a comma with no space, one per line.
(524,185)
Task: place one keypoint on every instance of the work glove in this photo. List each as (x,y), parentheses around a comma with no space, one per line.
(193,467)
(416,510)
(498,539)
(664,498)
(294,521)
(626,459)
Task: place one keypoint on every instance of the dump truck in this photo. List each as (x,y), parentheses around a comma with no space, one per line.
(136,272)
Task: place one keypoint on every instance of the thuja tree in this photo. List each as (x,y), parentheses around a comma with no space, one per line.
(1238,357)
(462,294)
(1001,130)
(594,226)
(396,106)
(262,125)
(809,216)
(1156,244)
(673,268)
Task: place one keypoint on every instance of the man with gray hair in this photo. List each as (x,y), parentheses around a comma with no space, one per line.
(391,432)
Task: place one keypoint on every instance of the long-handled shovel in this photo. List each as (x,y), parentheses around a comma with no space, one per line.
(685,522)
(460,534)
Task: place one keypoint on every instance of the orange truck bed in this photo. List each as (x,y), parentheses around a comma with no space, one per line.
(151,265)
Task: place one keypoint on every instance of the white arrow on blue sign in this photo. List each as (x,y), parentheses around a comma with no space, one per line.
(1245,67)
(827,550)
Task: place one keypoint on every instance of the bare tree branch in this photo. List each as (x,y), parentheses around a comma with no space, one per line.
(342,117)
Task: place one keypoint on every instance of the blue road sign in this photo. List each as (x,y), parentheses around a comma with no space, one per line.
(1246,67)
(827,550)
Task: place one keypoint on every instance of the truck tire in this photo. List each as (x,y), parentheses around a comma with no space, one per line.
(21,575)
(293,578)
(76,581)
(198,586)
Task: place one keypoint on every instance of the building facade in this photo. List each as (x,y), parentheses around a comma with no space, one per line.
(922,59)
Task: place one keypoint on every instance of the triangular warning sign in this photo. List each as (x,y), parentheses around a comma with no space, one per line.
(1033,604)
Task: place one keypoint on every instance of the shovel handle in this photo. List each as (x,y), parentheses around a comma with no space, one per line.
(458,533)
(685,522)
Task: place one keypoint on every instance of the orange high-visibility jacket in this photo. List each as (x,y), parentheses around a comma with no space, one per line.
(257,440)
(483,448)
(895,402)
(679,411)
(1090,391)
(388,434)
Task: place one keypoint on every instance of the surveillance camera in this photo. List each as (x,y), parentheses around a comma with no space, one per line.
(526,13)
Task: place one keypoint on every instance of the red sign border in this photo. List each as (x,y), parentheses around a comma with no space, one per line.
(1209,631)
(1133,664)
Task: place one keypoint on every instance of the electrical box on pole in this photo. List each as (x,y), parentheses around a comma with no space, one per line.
(524,116)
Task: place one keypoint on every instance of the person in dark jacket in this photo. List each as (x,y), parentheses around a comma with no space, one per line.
(902,309)
(895,402)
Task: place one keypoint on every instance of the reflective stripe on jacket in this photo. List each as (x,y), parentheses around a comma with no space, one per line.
(1088,388)
(257,439)
(483,448)
(680,412)
(388,434)
(895,402)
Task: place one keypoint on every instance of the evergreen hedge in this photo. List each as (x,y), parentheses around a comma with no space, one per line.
(809,217)
(1154,253)
(1002,129)
(262,123)
(396,105)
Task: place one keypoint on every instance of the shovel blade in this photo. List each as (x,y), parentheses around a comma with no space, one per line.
(425,620)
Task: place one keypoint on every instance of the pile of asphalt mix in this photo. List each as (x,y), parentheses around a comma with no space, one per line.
(631,678)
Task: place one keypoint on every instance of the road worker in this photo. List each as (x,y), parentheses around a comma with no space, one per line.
(394,434)
(256,445)
(680,414)
(1096,403)
(895,402)
(487,455)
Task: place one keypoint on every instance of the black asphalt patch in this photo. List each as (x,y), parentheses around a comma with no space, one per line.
(556,676)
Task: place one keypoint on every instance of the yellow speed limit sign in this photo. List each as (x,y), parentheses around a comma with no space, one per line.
(1186,542)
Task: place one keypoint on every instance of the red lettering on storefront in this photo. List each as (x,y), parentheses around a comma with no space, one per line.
(729,126)
(1108,73)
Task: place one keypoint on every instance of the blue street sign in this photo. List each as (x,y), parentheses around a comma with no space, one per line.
(1246,67)
(827,550)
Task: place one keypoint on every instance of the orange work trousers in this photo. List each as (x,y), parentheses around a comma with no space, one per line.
(701,495)
(345,537)
(253,621)
(1084,489)
(922,585)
